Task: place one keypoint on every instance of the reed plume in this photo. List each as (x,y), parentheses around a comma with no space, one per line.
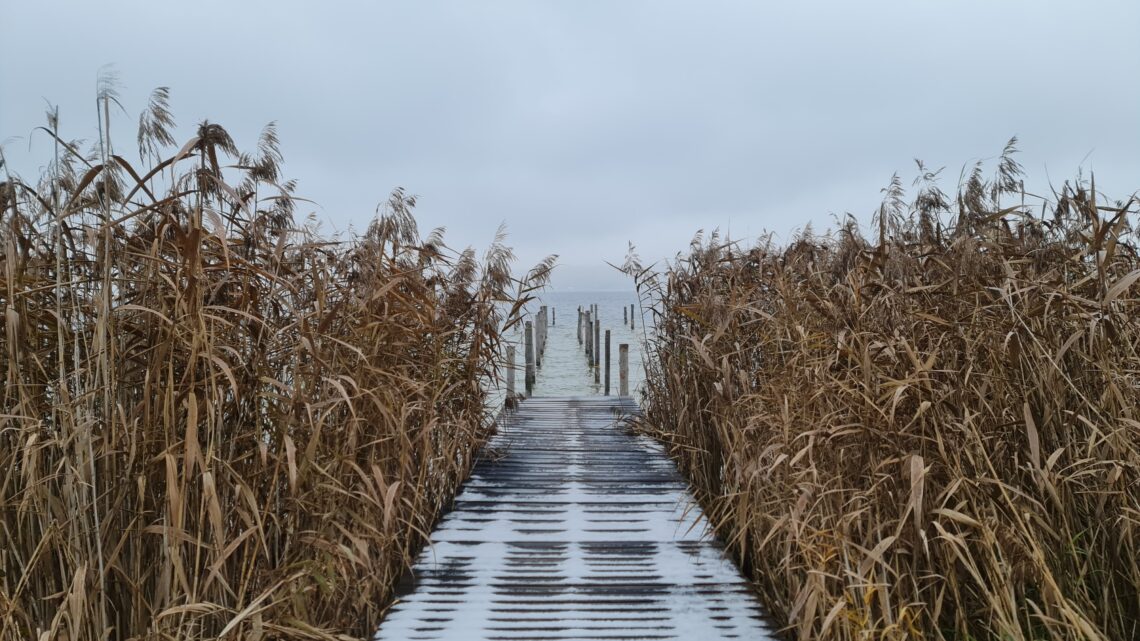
(934,434)
(215,423)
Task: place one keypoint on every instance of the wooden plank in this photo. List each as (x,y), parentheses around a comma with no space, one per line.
(571,528)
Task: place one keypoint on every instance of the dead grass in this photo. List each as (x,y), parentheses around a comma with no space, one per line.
(214,423)
(934,435)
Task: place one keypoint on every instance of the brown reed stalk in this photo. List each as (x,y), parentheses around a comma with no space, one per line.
(931,436)
(213,422)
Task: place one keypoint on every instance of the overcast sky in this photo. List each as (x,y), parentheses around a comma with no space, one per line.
(586,124)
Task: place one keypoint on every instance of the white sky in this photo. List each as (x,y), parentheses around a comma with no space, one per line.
(585,124)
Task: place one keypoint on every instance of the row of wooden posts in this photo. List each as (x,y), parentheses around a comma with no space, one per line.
(589,335)
(536,332)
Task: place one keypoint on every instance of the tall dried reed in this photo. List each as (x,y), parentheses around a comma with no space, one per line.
(931,435)
(213,422)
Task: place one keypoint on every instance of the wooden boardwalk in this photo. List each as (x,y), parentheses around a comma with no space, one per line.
(570,528)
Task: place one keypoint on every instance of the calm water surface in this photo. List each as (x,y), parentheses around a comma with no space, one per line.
(564,370)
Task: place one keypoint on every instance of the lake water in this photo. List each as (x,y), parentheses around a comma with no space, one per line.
(564,370)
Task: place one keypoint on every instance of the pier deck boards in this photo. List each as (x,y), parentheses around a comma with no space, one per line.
(570,528)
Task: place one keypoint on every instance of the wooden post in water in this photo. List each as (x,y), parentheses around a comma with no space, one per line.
(579,324)
(623,369)
(607,362)
(597,342)
(624,315)
(540,339)
(589,339)
(631,315)
(529,357)
(510,374)
(597,351)
(553,315)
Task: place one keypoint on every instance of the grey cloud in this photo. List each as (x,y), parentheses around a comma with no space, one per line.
(586,124)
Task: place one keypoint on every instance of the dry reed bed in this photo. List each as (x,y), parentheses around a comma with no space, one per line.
(931,436)
(213,423)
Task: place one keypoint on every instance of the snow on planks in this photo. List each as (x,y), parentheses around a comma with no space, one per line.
(570,528)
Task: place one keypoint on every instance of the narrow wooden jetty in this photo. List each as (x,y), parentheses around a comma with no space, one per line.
(572,528)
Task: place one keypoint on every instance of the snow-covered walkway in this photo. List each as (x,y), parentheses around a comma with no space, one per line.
(571,528)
